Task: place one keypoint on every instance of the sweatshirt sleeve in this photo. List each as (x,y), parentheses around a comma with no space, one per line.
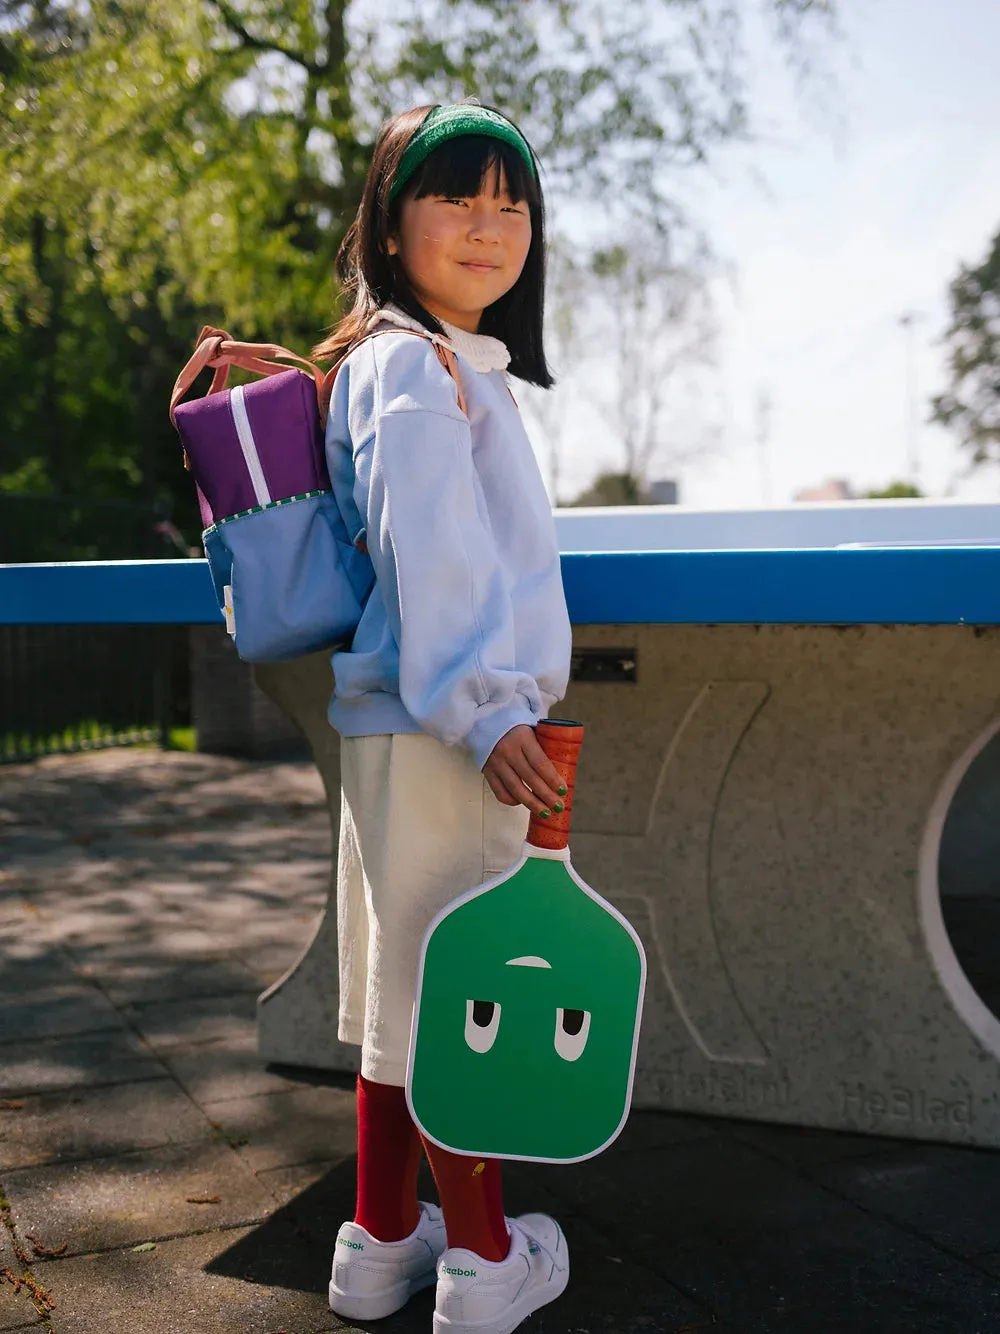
(440,578)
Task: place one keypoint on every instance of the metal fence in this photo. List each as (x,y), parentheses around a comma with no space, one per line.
(71,688)
(47,528)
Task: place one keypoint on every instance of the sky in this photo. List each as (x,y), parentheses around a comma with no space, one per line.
(857,205)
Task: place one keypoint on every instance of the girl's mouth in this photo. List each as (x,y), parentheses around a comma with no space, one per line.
(479,268)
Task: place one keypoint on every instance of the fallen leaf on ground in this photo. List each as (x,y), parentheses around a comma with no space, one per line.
(10,1105)
(203,1199)
(144,1246)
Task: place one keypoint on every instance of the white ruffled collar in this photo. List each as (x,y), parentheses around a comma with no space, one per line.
(482,352)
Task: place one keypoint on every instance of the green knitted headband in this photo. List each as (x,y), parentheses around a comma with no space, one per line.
(449,122)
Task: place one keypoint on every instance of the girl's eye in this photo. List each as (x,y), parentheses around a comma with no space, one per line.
(572,1031)
(482,1022)
(507,209)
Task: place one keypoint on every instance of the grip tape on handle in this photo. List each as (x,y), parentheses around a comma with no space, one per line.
(561,740)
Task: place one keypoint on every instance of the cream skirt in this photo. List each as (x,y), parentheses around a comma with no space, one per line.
(419,826)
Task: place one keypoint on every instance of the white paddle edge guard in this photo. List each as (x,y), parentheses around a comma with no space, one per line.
(544,854)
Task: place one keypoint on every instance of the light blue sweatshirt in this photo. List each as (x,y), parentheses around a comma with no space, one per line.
(466,633)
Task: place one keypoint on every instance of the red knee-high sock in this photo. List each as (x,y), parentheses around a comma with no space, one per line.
(388,1161)
(472,1201)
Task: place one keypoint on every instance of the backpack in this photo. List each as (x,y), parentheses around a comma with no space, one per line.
(288,576)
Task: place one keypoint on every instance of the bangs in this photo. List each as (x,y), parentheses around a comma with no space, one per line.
(460,168)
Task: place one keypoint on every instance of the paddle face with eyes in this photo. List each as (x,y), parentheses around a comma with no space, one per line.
(527,1020)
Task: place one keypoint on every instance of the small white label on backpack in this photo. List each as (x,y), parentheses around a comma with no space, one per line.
(227,607)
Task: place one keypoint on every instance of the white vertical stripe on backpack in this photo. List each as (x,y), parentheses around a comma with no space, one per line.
(247,444)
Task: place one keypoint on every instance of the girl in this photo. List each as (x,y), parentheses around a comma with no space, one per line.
(463,646)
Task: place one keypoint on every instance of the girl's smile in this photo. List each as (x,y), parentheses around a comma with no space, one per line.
(461,255)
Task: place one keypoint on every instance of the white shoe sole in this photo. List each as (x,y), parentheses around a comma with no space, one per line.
(520,1310)
(376,1305)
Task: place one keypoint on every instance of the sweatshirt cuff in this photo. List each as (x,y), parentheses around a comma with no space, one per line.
(485,733)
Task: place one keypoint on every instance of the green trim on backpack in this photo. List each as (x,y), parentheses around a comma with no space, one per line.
(272,505)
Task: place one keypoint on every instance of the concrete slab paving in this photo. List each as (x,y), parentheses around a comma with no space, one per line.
(106,1203)
(688,1224)
(17,1310)
(97,1123)
(951,1197)
(74,1010)
(162,980)
(768,1250)
(289,1128)
(184,1023)
(42,976)
(287,1183)
(645,1131)
(174,1289)
(218,1071)
(810,1146)
(101,1058)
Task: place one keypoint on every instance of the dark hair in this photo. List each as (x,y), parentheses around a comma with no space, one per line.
(373,277)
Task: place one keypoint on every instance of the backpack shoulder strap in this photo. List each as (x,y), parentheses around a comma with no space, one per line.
(444,355)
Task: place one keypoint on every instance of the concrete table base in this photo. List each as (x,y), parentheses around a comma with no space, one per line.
(766,803)
(297,1016)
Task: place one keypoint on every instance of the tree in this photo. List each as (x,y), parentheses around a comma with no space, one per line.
(614,488)
(896,491)
(656,326)
(971,406)
(165,163)
(566,300)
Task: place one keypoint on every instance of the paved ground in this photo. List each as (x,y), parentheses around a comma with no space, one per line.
(157,1177)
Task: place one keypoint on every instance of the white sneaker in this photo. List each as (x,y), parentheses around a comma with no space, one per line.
(373,1278)
(475,1296)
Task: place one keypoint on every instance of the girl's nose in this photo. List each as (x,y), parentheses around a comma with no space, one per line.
(484,225)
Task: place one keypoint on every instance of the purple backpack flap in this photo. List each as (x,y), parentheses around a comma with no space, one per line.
(288,576)
(258,443)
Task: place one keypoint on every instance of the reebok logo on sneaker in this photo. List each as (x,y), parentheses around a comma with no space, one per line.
(458,1273)
(354,1245)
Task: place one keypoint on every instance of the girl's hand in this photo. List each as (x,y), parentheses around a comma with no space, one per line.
(521,774)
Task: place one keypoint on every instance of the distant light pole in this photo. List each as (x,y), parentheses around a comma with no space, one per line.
(762,435)
(908,322)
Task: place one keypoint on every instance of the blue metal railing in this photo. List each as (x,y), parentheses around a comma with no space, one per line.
(815,586)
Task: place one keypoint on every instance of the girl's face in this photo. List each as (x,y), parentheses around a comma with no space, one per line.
(461,255)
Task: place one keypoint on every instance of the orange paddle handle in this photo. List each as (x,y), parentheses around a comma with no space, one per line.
(561,740)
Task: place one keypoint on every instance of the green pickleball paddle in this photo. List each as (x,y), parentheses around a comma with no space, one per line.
(528,1003)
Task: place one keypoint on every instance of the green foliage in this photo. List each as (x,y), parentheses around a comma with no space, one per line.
(614,488)
(169,163)
(896,491)
(971,406)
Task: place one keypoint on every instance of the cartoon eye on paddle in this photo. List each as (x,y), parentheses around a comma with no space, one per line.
(572,1031)
(482,1023)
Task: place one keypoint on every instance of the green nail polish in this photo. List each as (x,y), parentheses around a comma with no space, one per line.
(558,808)
(562,790)
(544,815)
